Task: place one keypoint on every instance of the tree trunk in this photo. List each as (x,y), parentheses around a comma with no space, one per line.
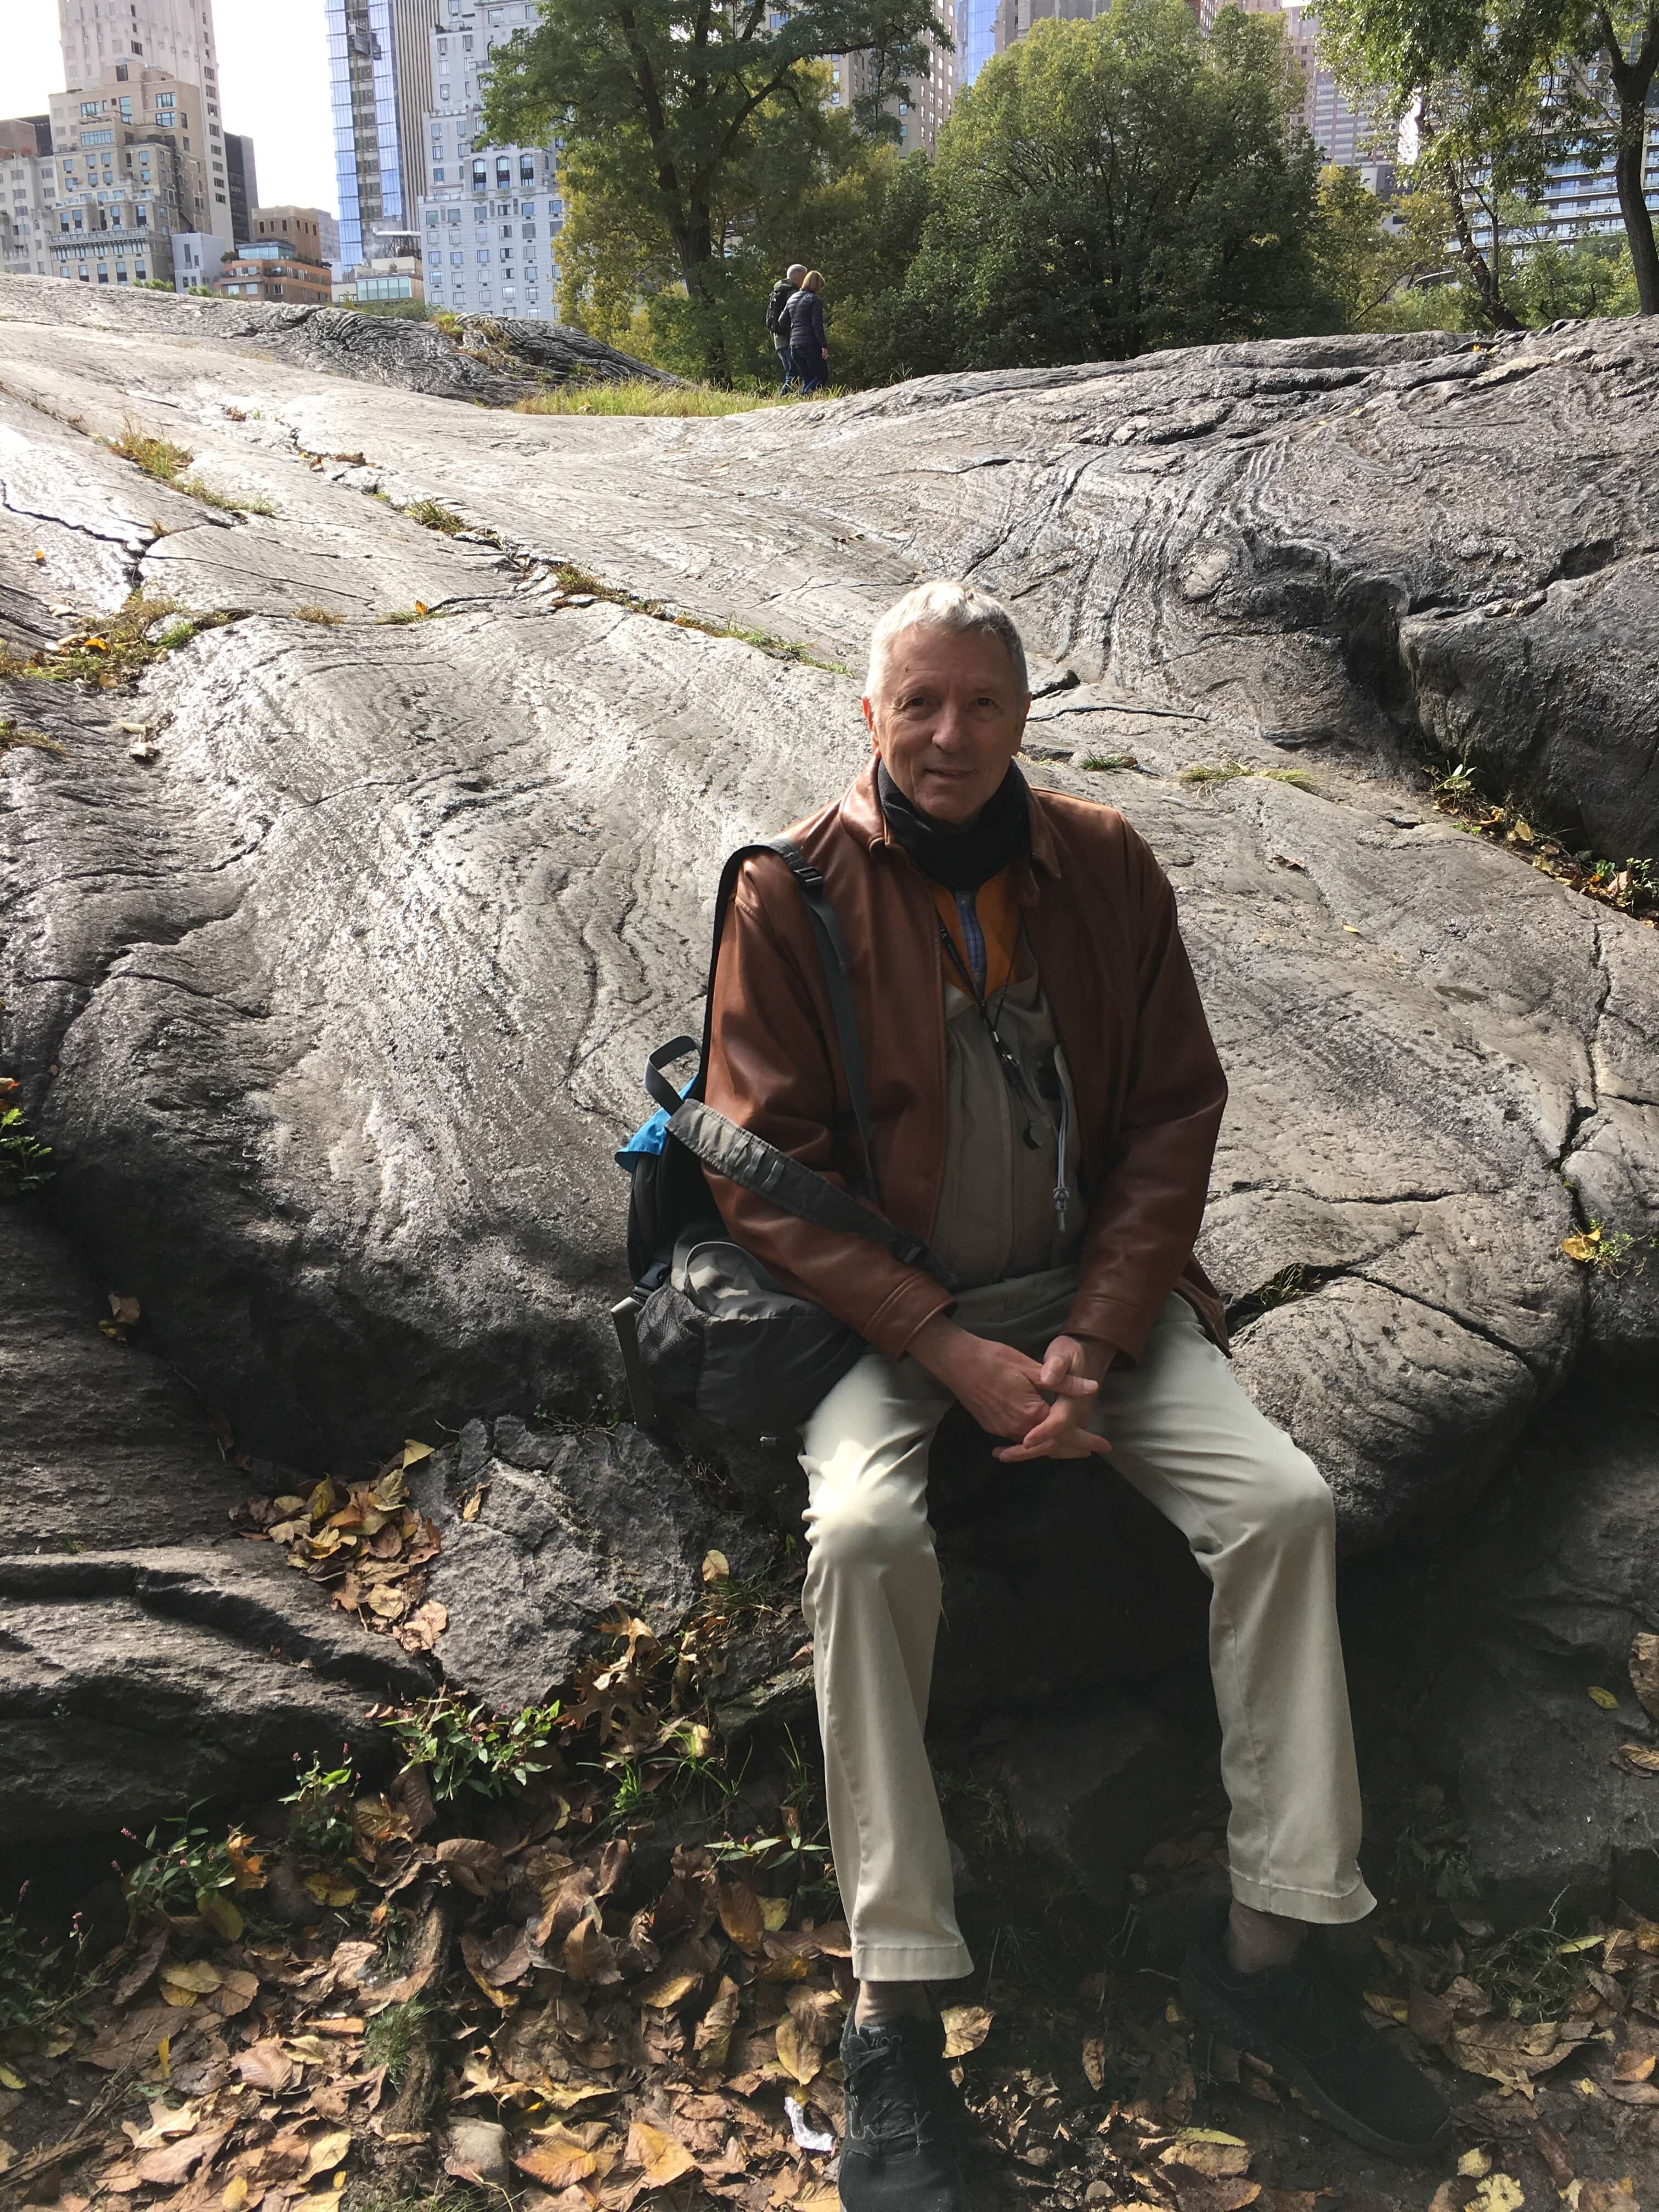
(693,243)
(1630,81)
(1484,277)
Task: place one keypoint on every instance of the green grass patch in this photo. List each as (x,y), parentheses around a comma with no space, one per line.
(391,2037)
(431,516)
(118,649)
(325,618)
(419,612)
(22,1157)
(37,741)
(1108,763)
(1231,771)
(229,502)
(638,396)
(166,462)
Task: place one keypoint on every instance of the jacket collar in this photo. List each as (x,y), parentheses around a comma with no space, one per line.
(861,814)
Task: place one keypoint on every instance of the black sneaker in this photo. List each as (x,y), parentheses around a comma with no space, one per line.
(903,2113)
(1318,2040)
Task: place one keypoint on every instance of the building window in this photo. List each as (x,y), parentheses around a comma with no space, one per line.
(480,175)
(503,172)
(526,168)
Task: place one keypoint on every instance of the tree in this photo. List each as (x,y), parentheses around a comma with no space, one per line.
(1360,262)
(1107,186)
(1506,86)
(680,90)
(811,186)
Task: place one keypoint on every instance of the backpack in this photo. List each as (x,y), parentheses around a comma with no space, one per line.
(707,1326)
(781,293)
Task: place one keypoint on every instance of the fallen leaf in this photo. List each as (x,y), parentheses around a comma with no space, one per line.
(1553,2149)
(660,2158)
(740,1915)
(1394,2009)
(266,2066)
(1584,1248)
(966,2028)
(1608,1699)
(1475,2163)
(9,2079)
(220,1914)
(1632,2066)
(414,1453)
(181,1981)
(1632,2092)
(1094,2062)
(125,1310)
(713,2039)
(1605,2196)
(236,2192)
(1513,2052)
(166,2167)
(1430,2018)
(557,2160)
(331,1888)
(235,1993)
(1499,2192)
(1216,2160)
(1644,1672)
(1637,1759)
(662,1991)
(326,2152)
(476,1865)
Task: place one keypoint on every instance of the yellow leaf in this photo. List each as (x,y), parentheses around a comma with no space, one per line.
(557,2161)
(330,1889)
(657,2156)
(220,1914)
(197,1975)
(966,2028)
(164,2057)
(1500,2193)
(1523,830)
(1606,1699)
(327,2152)
(1474,2164)
(236,2194)
(774,1912)
(1351,931)
(716,1567)
(1210,2135)
(741,1914)
(414,1453)
(1581,1247)
(1390,2008)
(1094,2061)
(1173,2013)
(801,2059)
(664,1991)
(8,2080)
(1583,1942)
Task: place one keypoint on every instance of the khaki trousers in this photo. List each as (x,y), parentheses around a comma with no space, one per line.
(1259,1517)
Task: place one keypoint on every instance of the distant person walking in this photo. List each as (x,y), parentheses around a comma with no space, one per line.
(808,350)
(777,319)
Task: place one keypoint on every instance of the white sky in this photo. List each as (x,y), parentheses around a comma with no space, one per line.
(273,73)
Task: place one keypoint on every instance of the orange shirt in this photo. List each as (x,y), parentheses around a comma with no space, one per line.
(996,905)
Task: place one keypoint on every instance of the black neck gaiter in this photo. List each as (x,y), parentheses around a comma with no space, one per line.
(961,860)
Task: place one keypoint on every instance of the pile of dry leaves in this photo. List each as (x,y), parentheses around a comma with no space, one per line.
(368,1542)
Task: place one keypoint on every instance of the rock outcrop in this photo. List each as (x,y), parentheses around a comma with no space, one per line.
(333,1004)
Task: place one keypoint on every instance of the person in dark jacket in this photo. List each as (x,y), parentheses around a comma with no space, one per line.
(777,319)
(808,350)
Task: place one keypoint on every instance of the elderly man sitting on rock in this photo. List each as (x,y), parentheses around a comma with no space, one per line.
(1044,1100)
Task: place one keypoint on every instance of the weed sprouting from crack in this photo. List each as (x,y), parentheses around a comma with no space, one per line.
(166,462)
(324,616)
(10,735)
(576,582)
(114,654)
(1231,771)
(1298,1280)
(431,516)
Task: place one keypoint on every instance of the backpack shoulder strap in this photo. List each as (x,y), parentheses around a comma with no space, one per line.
(837,976)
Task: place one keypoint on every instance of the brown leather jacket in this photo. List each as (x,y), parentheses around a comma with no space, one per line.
(1100,920)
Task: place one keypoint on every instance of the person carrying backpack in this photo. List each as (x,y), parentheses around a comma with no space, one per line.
(777,323)
(809,348)
(958,1100)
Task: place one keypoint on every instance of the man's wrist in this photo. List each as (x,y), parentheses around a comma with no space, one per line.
(1098,1355)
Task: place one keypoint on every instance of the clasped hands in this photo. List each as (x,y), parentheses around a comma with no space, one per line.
(1041,1405)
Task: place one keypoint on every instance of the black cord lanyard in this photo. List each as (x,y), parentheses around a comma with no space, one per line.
(1012,1073)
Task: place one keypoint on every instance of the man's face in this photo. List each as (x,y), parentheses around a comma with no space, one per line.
(949,720)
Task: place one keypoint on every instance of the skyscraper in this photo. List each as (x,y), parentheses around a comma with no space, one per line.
(977,38)
(244,185)
(380,67)
(172,35)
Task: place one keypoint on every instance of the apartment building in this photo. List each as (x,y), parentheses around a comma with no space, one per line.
(490,215)
(312,232)
(243,181)
(920,111)
(174,38)
(380,85)
(24,141)
(276,268)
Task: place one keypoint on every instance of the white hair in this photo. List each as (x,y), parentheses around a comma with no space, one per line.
(945,602)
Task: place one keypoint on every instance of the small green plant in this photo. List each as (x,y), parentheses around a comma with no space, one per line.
(157,457)
(180,1869)
(320,1823)
(1231,771)
(431,516)
(1108,763)
(325,616)
(1297,777)
(10,735)
(391,2036)
(1458,782)
(22,1157)
(465,1747)
(121,646)
(418,613)
(240,502)
(31,1969)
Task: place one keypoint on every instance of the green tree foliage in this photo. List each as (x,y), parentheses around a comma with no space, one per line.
(1106,187)
(811,186)
(680,91)
(1501,87)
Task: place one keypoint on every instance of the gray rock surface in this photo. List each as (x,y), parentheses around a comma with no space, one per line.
(335,1010)
(569,1529)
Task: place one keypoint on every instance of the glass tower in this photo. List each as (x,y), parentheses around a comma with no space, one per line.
(380,85)
(976,38)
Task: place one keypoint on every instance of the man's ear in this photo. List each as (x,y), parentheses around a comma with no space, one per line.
(869,724)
